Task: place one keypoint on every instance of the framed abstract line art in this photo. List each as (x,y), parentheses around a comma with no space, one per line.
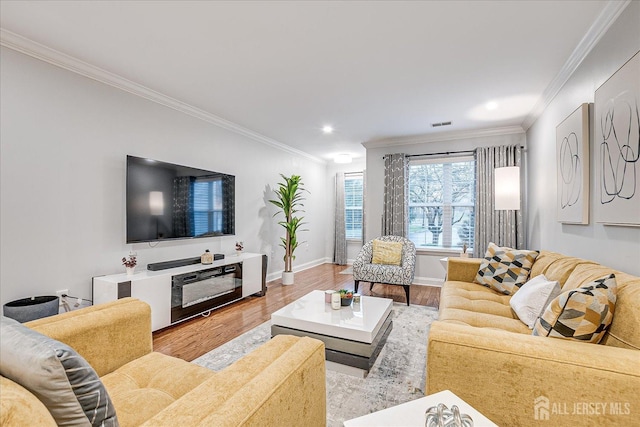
(572,157)
(617,147)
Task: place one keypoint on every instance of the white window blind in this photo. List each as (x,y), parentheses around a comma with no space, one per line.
(353,195)
(207,206)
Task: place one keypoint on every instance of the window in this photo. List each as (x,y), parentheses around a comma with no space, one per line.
(353,205)
(207,206)
(441,202)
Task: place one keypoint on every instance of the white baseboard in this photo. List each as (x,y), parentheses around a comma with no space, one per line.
(423,281)
(428,281)
(307,265)
(273,276)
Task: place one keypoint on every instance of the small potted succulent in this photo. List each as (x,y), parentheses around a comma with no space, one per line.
(239,248)
(346,296)
(130,264)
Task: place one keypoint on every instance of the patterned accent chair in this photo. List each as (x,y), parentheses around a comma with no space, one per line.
(364,270)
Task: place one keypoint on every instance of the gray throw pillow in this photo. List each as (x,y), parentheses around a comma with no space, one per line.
(67,385)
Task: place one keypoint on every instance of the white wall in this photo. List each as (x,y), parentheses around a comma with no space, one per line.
(617,247)
(64,140)
(429,270)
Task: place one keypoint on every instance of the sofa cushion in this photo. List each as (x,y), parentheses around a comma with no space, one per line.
(18,405)
(582,314)
(388,253)
(562,269)
(505,269)
(106,335)
(543,261)
(144,387)
(280,383)
(475,305)
(61,378)
(625,328)
(483,320)
(556,266)
(533,297)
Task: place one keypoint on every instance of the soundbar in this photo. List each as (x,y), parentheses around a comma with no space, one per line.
(172,264)
(156,266)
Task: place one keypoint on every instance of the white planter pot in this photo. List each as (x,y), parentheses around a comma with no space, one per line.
(287,277)
(131,271)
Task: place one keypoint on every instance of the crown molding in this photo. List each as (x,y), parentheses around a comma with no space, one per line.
(39,51)
(443,136)
(607,17)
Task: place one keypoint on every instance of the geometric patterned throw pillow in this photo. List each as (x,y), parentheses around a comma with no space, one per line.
(582,314)
(505,269)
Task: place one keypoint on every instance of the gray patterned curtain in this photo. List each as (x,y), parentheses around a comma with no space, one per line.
(340,238)
(182,207)
(229,211)
(504,227)
(394,215)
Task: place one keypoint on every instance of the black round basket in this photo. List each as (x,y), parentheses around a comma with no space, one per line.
(26,309)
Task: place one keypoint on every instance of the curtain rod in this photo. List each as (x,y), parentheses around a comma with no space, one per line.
(352,173)
(436,154)
(441,153)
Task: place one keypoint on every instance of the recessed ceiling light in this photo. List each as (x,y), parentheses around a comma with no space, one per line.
(343,158)
(327,129)
(492,105)
(506,108)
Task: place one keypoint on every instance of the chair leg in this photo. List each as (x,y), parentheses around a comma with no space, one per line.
(355,286)
(406,291)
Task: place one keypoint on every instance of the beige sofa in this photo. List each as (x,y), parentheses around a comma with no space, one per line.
(481,351)
(280,383)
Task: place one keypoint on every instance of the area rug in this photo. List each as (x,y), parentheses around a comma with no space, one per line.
(348,270)
(398,375)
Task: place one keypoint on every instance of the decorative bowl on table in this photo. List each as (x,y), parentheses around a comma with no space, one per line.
(345,301)
(346,297)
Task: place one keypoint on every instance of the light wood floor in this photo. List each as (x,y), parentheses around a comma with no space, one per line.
(193,338)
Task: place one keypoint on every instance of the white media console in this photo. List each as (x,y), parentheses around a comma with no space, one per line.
(176,294)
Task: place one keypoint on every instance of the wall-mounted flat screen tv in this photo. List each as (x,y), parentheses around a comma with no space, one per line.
(167,201)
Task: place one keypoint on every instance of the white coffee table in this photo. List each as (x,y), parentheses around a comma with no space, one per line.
(413,413)
(353,335)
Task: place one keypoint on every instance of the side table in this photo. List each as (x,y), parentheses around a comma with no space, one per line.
(413,413)
(444,262)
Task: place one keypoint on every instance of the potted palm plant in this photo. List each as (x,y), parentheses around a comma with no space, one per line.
(289,200)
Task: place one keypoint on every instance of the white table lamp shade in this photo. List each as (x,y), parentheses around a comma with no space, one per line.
(506,186)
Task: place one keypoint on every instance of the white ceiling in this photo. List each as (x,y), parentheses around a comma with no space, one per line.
(373,70)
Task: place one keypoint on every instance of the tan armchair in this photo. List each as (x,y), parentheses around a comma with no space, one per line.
(151,389)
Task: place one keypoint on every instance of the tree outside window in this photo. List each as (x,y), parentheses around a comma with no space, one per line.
(441,202)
